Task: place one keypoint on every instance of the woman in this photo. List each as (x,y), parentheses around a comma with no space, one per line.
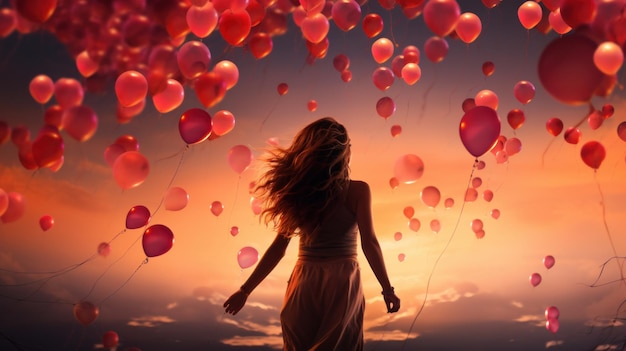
(308,192)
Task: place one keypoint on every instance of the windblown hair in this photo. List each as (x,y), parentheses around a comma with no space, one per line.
(305,179)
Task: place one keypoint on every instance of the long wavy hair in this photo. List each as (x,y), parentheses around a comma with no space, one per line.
(303,180)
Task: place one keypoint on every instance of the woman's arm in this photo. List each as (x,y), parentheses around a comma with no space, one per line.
(270,259)
(370,246)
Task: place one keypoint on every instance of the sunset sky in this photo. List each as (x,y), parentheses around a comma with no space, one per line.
(475,293)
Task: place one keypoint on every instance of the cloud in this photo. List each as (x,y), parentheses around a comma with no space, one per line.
(553,343)
(275,342)
(517,304)
(150,321)
(604,322)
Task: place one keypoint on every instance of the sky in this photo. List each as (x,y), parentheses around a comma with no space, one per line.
(458,291)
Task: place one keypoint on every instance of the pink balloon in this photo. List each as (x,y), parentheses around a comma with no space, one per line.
(383,78)
(257,205)
(512,146)
(529,14)
(15,208)
(486,97)
(80,122)
(137,217)
(414,224)
(394,182)
(157,240)
(216,208)
(608,57)
(435,225)
(176,199)
(552,312)
(436,49)
(488,195)
(471,194)
(382,50)
(552,325)
(385,107)
(558,24)
(104,249)
(234,230)
(468,27)
(68,92)
(411,73)
(495,213)
(476,182)
(535,279)
(401,257)
(223,122)
(441,16)
(408,168)
(247,256)
(46,222)
(524,91)
(195,125)
(476,225)
(170,98)
(130,169)
(397,236)
(396,130)
(202,20)
(315,28)
(193,59)
(430,196)
(346,14)
(41,88)
(239,158)
(548,262)
(131,87)
(479,130)
(311,105)
(229,72)
(448,203)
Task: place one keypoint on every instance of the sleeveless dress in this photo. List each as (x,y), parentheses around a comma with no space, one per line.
(324,303)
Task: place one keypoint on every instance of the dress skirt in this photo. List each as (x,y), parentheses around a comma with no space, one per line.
(323,306)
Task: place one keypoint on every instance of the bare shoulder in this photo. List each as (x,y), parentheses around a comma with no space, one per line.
(358,191)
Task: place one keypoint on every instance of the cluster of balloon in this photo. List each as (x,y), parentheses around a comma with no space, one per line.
(341,63)
(535,278)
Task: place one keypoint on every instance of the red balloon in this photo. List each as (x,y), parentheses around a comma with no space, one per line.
(68,92)
(441,16)
(488,68)
(157,240)
(247,256)
(341,62)
(41,88)
(46,222)
(260,45)
(408,211)
(552,312)
(131,87)
(372,25)
(385,107)
(564,55)
(193,59)
(468,104)
(408,169)
(80,122)
(578,12)
(8,21)
(346,14)
(38,11)
(430,196)
(202,19)
(130,169)
(535,279)
(572,135)
(479,130)
(48,147)
(137,217)
(554,126)
(86,312)
(315,28)
(282,88)
(552,325)
(216,208)
(239,158)
(195,125)
(383,78)
(524,91)
(210,89)
(110,339)
(516,118)
(104,249)
(235,26)
(621,131)
(548,262)
(436,49)
(593,153)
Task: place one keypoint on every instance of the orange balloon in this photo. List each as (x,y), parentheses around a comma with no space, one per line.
(130,169)
(41,88)
(210,89)
(170,98)
(131,88)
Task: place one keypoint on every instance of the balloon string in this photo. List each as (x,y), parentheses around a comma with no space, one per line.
(606,226)
(426,92)
(268,114)
(145,261)
(230,216)
(180,162)
(456,226)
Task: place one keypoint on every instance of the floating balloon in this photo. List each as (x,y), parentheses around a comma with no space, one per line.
(15,206)
(223,122)
(257,205)
(516,118)
(608,57)
(488,195)
(524,91)
(548,262)
(435,226)
(137,217)
(169,98)
(396,130)
(593,153)
(488,68)
(315,28)
(408,212)
(414,224)
(401,257)
(46,222)
(282,89)
(556,21)
(382,50)
(476,225)
(430,196)
(131,88)
(411,73)
(397,236)
(247,256)
(239,158)
(80,122)
(408,168)
(48,147)
(202,19)
(394,182)
(234,230)
(110,340)
(448,203)
(552,312)
(468,27)
(529,14)
(535,279)
(383,78)
(372,25)
(578,12)
(311,105)
(346,14)
(552,325)
(85,312)
(195,125)
(495,213)
(157,240)
(234,26)
(261,45)
(210,88)
(436,49)
(479,130)
(41,88)
(486,97)
(175,199)
(68,92)
(441,16)
(621,131)
(104,249)
(385,107)
(229,71)
(216,208)
(554,126)
(130,169)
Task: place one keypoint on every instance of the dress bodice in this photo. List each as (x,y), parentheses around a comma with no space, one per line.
(336,236)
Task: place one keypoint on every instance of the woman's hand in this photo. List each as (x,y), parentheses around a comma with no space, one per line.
(235,302)
(392,302)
